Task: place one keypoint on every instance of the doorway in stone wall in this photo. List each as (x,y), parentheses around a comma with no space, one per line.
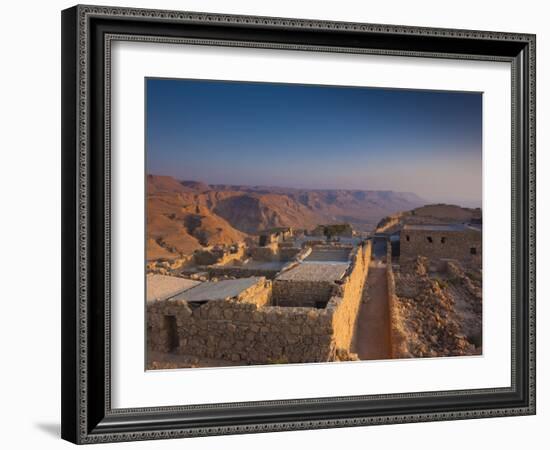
(171,327)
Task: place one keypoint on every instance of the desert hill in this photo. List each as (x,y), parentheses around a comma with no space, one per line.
(429,214)
(177,224)
(363,209)
(183,216)
(195,185)
(252,212)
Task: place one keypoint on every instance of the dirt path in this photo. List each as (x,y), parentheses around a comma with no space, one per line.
(372,335)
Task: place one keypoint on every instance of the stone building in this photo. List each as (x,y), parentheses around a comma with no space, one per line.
(238,321)
(455,241)
(308,284)
(275,235)
(331,230)
(311,283)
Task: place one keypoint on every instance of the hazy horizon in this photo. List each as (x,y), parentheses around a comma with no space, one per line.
(219,183)
(316,137)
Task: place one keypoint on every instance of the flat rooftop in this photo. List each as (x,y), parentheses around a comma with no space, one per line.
(217,290)
(355,240)
(161,287)
(315,271)
(254,265)
(264,265)
(443,227)
(329,255)
(300,240)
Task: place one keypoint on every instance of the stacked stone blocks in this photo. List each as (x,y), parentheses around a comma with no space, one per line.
(246,329)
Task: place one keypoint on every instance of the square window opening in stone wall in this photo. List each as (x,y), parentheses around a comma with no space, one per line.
(171,327)
(430,240)
(473,251)
(443,239)
(408,238)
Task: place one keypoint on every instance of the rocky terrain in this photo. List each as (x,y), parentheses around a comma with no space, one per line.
(363,209)
(178,223)
(183,216)
(437,313)
(428,214)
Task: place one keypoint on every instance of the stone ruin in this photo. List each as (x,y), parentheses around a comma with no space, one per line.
(456,241)
(306,314)
(216,254)
(435,308)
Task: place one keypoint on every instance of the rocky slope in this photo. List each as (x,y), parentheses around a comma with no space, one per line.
(183,216)
(436,316)
(428,214)
(363,209)
(178,224)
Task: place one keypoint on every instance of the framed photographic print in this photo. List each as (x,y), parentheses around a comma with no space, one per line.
(280,224)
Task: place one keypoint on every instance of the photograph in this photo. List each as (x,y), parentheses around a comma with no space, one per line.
(272,222)
(299,223)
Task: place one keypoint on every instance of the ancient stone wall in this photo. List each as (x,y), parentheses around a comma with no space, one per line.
(463,245)
(211,256)
(240,272)
(389,224)
(302,293)
(248,329)
(241,331)
(333,247)
(309,293)
(398,338)
(236,253)
(267,253)
(166,267)
(274,252)
(346,299)
(206,257)
(341,229)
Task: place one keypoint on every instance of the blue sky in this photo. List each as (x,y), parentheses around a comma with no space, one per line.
(317,137)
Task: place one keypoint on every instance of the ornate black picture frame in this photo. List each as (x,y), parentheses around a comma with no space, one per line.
(87,34)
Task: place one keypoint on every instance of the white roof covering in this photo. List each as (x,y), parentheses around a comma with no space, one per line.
(315,271)
(217,290)
(161,287)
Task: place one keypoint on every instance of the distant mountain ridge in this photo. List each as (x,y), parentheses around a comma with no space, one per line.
(362,208)
(183,216)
